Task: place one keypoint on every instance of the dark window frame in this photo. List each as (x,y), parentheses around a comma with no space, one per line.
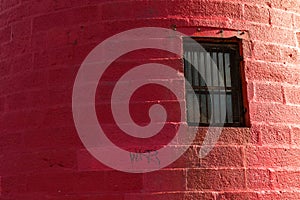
(239,104)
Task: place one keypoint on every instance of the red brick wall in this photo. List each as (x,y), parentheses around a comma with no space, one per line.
(43,43)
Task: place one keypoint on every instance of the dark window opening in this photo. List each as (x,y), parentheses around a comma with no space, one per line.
(218,58)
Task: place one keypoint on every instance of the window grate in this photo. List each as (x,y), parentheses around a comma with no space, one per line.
(214,93)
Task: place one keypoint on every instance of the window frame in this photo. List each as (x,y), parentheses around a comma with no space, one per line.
(235,44)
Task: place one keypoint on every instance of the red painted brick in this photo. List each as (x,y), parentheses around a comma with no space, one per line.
(53,138)
(228,136)
(13,185)
(279,195)
(42,161)
(15,47)
(256,13)
(86,162)
(272,157)
(202,8)
(155,196)
(10,142)
(287,179)
(65,56)
(199,195)
(22,120)
(158,181)
(290,55)
(258,179)
(281,18)
(276,113)
(263,33)
(21,64)
(275,134)
(298,38)
(238,196)
(223,157)
(297,21)
(21,30)
(109,181)
(6,4)
(273,72)
(216,179)
(268,92)
(5,34)
(2,104)
(292,94)
(266,52)
(295,135)
(5,68)
(86,197)
(70,18)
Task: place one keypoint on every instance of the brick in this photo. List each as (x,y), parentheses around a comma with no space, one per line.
(85,197)
(290,55)
(231,136)
(86,162)
(286,179)
(41,161)
(2,104)
(10,142)
(216,179)
(268,92)
(57,182)
(157,181)
(21,29)
(298,38)
(52,138)
(258,179)
(276,53)
(155,196)
(238,196)
(150,9)
(266,52)
(55,117)
(263,32)
(110,181)
(272,157)
(21,64)
(6,4)
(281,18)
(297,21)
(279,195)
(5,34)
(15,47)
(295,135)
(62,57)
(54,20)
(292,94)
(21,120)
(273,72)
(275,134)
(202,8)
(256,13)
(285,4)
(13,184)
(276,113)
(119,10)
(5,68)
(199,195)
(223,157)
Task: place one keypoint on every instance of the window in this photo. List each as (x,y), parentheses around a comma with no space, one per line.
(218,58)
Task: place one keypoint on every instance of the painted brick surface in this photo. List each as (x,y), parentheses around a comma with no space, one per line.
(43,43)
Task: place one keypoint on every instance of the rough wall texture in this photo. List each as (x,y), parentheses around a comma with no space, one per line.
(43,43)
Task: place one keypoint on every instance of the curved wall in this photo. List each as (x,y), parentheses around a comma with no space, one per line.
(43,43)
